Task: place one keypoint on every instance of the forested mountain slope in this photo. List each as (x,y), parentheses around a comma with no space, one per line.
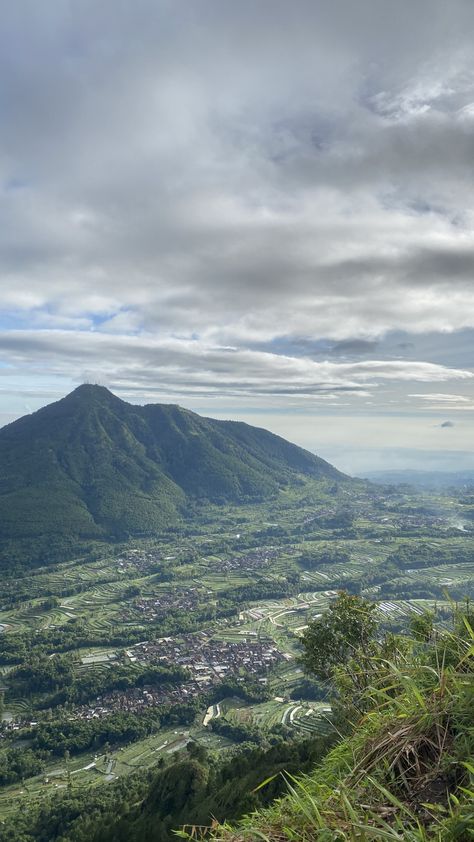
(94,466)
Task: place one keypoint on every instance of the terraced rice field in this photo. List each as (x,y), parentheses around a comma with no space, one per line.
(308,717)
(312,720)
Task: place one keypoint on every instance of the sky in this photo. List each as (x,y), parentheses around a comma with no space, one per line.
(258,210)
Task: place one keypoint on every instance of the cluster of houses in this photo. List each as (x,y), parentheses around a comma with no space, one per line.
(138,560)
(210,660)
(15,724)
(160,605)
(137,699)
(256,559)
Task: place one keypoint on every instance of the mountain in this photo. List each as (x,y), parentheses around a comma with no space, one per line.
(93,466)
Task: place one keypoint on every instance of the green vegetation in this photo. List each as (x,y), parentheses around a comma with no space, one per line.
(399,767)
(148,806)
(77,736)
(92,467)
(107,678)
(405,771)
(53,681)
(332,641)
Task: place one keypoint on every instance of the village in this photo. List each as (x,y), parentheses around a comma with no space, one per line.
(142,561)
(159,606)
(255,559)
(139,560)
(208,661)
(137,699)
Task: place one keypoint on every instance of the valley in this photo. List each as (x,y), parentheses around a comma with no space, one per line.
(139,649)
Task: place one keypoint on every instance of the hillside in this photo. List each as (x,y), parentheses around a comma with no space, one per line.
(404,770)
(398,765)
(93,466)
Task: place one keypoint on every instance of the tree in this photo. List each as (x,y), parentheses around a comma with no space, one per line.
(131,591)
(197,751)
(344,631)
(422,626)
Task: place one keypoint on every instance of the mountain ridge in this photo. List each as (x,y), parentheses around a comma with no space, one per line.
(94,466)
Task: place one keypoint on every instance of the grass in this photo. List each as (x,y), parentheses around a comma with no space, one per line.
(406,770)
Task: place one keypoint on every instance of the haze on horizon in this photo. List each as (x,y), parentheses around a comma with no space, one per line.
(260,211)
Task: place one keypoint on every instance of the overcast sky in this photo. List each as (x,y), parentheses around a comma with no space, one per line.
(257,209)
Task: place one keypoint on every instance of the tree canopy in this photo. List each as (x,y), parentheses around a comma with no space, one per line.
(336,637)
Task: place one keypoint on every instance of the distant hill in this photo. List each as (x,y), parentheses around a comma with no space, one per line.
(93,466)
(435,480)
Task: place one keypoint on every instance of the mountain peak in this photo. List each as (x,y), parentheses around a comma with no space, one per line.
(92,393)
(90,390)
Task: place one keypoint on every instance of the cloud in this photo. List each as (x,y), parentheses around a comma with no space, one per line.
(441,397)
(240,172)
(215,197)
(355,347)
(145,364)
